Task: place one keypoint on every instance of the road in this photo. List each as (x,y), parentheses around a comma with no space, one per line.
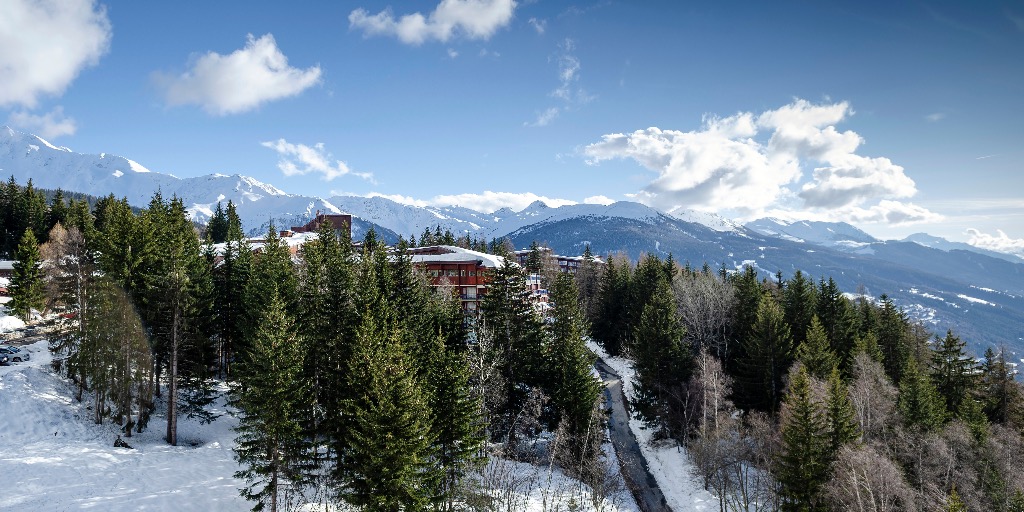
(634,467)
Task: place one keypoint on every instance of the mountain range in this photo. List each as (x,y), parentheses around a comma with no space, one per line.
(977,293)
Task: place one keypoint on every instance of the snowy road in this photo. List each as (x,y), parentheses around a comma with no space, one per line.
(634,467)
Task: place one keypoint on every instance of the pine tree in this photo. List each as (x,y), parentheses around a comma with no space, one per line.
(921,405)
(456,424)
(840,423)
(838,317)
(815,352)
(954,503)
(768,352)
(574,389)
(27,280)
(800,299)
(269,435)
(610,325)
(534,259)
(663,363)
(217,228)
(234,223)
(954,373)
(385,466)
(802,467)
(892,339)
(1002,399)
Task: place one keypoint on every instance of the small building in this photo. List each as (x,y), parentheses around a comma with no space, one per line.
(342,225)
(6,268)
(469,271)
(566,264)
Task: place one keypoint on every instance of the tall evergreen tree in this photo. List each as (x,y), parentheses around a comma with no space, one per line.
(574,389)
(839,319)
(892,338)
(815,352)
(1001,395)
(800,300)
(663,362)
(768,352)
(840,423)
(270,438)
(385,466)
(217,228)
(921,405)
(802,467)
(610,326)
(954,373)
(234,223)
(27,280)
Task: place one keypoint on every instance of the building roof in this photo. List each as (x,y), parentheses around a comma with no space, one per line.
(452,254)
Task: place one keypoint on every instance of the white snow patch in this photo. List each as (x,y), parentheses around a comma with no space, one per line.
(117,173)
(10,323)
(667,462)
(975,300)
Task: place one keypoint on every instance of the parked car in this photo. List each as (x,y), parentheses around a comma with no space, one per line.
(4,360)
(15,354)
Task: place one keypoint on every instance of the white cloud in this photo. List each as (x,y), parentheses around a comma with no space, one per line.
(605,200)
(412,201)
(474,19)
(539,25)
(489,201)
(452,53)
(728,167)
(999,242)
(545,117)
(51,125)
(935,117)
(297,159)
(45,44)
(889,212)
(238,82)
(569,92)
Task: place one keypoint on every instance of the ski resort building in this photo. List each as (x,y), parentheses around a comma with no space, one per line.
(469,271)
(342,225)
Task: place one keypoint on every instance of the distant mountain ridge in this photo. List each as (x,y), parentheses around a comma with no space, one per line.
(945,284)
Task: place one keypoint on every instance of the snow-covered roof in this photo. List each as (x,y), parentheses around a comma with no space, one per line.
(451,253)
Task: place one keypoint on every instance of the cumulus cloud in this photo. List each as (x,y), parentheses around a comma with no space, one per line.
(298,159)
(45,44)
(473,19)
(51,125)
(999,242)
(605,200)
(238,82)
(890,212)
(747,164)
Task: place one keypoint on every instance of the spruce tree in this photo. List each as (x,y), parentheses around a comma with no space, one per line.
(921,405)
(574,389)
(663,363)
(234,223)
(217,228)
(385,466)
(892,339)
(26,286)
(768,352)
(954,373)
(1001,395)
(838,317)
(802,466)
(840,423)
(800,299)
(269,438)
(815,352)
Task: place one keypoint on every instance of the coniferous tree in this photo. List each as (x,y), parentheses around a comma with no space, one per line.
(892,338)
(385,466)
(838,317)
(921,405)
(815,352)
(954,373)
(26,286)
(610,328)
(456,424)
(802,467)
(800,300)
(574,389)
(768,352)
(217,228)
(840,422)
(234,223)
(270,438)
(1001,395)
(663,363)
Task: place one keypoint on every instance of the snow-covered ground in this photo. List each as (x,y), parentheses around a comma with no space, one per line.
(667,462)
(53,457)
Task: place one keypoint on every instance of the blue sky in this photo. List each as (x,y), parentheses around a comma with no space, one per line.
(898,117)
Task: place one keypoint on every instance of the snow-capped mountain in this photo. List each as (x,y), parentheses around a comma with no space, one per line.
(828,234)
(945,245)
(26,157)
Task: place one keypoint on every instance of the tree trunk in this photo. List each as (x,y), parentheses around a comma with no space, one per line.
(172,387)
